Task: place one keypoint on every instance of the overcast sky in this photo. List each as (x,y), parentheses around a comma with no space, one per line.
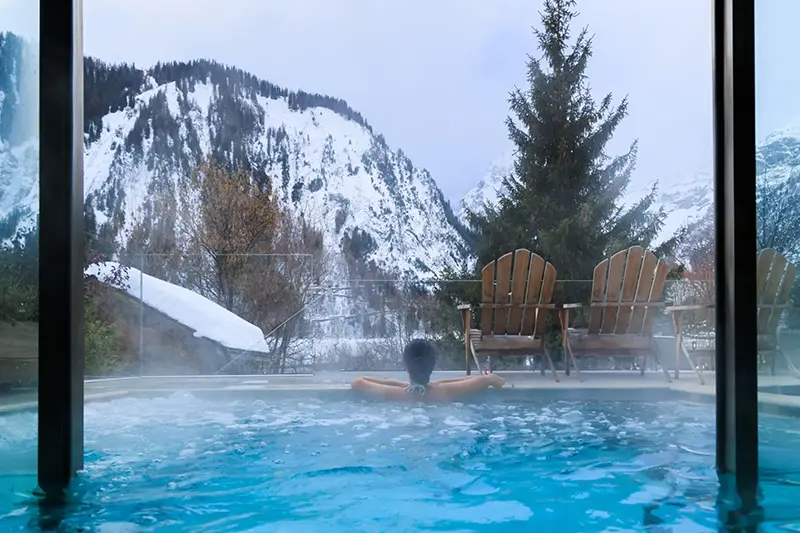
(433,75)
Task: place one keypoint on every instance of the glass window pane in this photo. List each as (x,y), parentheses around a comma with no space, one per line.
(778,249)
(19,274)
(255,247)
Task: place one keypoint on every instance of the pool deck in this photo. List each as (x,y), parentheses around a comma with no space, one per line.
(600,385)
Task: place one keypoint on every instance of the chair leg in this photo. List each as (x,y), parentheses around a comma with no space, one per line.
(475,358)
(564,318)
(677,320)
(467,350)
(552,366)
(789,362)
(575,365)
(655,351)
(691,364)
(568,353)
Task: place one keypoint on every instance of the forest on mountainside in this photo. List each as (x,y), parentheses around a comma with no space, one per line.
(111,87)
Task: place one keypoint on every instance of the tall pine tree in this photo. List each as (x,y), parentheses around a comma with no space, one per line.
(563,197)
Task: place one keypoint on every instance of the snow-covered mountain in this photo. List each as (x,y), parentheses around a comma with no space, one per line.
(332,169)
(489,189)
(683,199)
(779,155)
(19,154)
(146,129)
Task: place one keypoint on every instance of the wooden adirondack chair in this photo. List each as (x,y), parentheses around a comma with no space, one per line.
(516,293)
(775,276)
(626,295)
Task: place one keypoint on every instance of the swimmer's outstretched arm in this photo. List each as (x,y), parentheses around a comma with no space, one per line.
(450,390)
(385,381)
(375,387)
(454,380)
(468,386)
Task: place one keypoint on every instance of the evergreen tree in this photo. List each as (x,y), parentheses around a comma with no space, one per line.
(564,194)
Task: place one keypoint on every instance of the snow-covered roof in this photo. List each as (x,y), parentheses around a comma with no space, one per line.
(206,318)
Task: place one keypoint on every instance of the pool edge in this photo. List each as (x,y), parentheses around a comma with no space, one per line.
(26,407)
(772,404)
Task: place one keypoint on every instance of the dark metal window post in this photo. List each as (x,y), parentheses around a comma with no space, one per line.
(61,342)
(735,196)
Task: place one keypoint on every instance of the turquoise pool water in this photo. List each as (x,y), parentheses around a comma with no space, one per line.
(182,464)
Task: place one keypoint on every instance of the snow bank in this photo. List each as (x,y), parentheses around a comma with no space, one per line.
(208,319)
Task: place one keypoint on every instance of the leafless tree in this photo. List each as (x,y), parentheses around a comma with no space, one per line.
(279,289)
(235,216)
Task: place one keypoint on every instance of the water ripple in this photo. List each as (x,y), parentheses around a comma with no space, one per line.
(186,464)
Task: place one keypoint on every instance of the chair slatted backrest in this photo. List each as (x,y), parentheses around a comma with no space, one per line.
(631,276)
(775,277)
(516,280)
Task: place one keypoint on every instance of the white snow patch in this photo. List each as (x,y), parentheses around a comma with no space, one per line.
(208,319)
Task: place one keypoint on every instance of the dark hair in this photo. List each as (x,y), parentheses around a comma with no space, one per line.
(419,357)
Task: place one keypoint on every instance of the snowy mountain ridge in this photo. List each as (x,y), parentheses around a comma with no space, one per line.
(684,199)
(330,162)
(323,159)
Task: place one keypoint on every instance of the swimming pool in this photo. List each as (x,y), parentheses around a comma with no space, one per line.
(188,464)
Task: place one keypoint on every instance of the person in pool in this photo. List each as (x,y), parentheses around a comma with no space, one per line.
(419,359)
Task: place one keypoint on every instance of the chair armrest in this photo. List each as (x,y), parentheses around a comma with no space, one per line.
(572,306)
(675,308)
(464,307)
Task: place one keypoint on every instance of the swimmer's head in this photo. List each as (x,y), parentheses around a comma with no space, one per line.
(419,358)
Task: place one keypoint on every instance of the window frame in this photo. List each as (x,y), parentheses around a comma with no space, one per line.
(61,342)
(735,231)
(61,245)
